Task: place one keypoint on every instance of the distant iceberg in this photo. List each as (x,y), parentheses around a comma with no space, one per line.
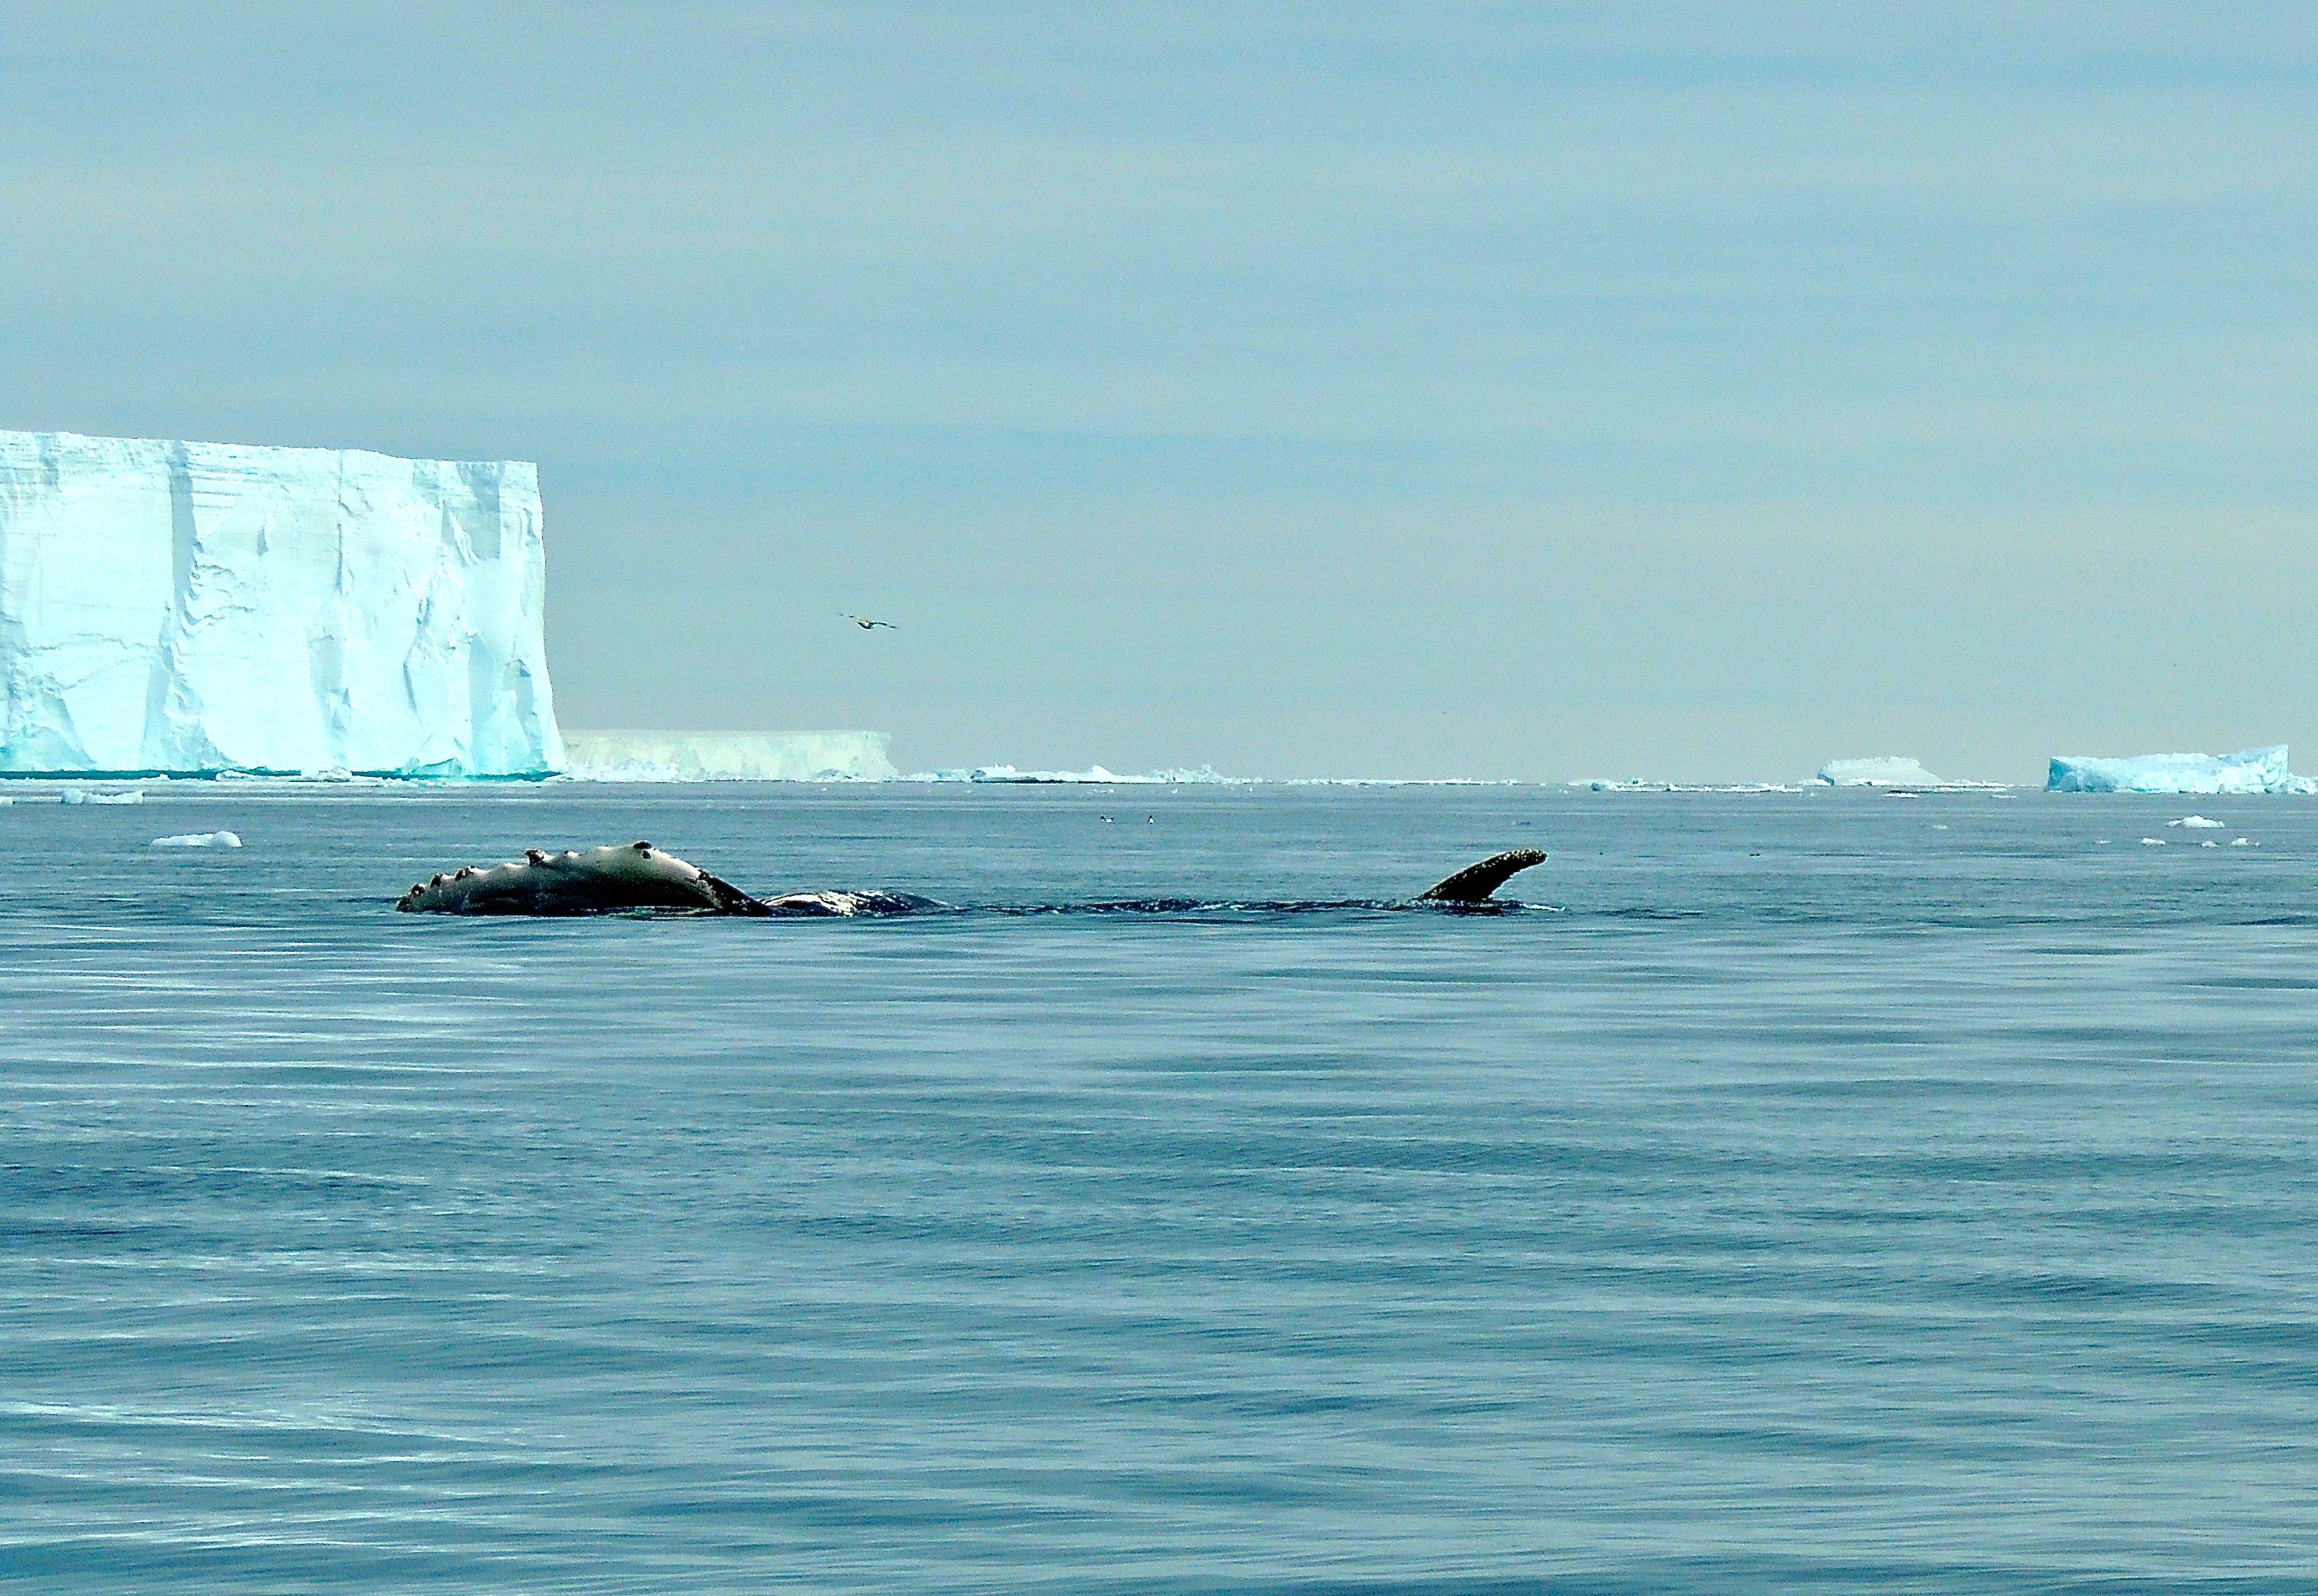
(1093,775)
(728,756)
(1890,770)
(2251,770)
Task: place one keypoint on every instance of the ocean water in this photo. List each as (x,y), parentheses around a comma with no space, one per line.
(1820,1191)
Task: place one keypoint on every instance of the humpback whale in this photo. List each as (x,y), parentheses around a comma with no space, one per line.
(615,880)
(641,877)
(594,881)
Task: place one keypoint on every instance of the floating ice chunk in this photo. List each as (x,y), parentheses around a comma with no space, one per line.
(2244,842)
(2209,842)
(199,839)
(2250,770)
(2152,842)
(74,795)
(2198,822)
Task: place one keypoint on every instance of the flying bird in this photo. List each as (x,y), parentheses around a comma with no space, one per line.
(871,625)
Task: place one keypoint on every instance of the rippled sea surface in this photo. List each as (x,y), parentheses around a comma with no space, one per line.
(1824,1191)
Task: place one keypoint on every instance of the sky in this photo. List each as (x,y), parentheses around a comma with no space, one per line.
(1684,391)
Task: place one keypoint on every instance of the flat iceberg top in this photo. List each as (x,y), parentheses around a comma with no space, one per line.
(1890,770)
(206,607)
(259,456)
(2249,770)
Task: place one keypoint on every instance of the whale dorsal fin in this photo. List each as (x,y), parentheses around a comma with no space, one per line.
(1475,883)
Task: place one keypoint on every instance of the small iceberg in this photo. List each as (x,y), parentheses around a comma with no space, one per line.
(2198,822)
(2249,770)
(199,839)
(75,795)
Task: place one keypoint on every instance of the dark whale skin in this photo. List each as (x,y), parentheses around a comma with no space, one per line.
(1475,883)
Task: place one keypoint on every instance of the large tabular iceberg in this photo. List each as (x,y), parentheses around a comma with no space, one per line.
(196,607)
(2252,770)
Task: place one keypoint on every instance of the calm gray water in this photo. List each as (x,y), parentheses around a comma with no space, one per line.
(1828,1191)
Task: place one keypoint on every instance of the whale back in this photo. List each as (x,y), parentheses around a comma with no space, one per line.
(591,881)
(1475,883)
(843,905)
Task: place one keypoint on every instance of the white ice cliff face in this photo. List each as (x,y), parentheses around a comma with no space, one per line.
(2254,770)
(192,607)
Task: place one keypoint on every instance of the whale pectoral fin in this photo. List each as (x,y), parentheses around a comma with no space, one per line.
(730,899)
(1475,883)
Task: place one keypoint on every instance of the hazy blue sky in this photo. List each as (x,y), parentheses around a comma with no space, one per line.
(1506,391)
